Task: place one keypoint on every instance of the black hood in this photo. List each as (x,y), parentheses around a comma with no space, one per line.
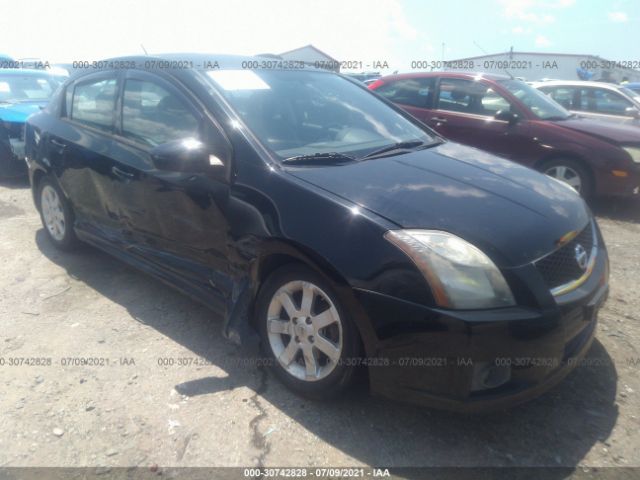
(511,212)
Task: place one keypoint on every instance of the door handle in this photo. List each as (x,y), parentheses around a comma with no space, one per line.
(439,120)
(121,173)
(58,143)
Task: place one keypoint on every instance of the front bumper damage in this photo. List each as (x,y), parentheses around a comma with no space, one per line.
(480,360)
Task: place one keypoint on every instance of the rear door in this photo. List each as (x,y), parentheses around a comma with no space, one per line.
(414,95)
(173,219)
(567,96)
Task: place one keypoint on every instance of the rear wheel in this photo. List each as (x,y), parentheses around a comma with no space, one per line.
(570,172)
(56,215)
(306,333)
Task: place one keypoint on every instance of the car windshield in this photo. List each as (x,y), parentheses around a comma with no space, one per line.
(630,93)
(541,105)
(24,88)
(299,113)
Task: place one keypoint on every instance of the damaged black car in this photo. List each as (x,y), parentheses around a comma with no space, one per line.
(318,218)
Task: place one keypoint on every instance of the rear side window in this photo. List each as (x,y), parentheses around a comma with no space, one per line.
(416,92)
(562,95)
(94,103)
(152,115)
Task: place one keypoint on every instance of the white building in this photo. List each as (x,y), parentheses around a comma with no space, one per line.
(537,66)
(312,55)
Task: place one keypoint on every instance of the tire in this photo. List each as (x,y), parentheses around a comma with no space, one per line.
(571,172)
(56,215)
(297,346)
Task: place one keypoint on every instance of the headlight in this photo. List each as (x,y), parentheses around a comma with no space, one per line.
(460,275)
(634,153)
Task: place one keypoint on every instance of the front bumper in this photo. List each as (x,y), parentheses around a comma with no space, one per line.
(629,186)
(480,360)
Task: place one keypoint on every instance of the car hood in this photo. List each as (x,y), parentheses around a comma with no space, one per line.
(19,112)
(511,212)
(608,131)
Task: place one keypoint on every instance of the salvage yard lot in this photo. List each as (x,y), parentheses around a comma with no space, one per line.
(213,407)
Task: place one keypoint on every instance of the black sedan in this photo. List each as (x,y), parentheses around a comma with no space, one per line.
(323,220)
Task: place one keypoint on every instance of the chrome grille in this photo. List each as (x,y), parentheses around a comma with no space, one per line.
(561,267)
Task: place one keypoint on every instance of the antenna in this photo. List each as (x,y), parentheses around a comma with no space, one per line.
(481,49)
(144,50)
(485,52)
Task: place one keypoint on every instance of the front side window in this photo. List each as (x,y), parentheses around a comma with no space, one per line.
(493,103)
(455,95)
(152,115)
(313,112)
(94,103)
(416,92)
(466,96)
(604,101)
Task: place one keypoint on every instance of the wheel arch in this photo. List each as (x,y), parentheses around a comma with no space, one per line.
(36,178)
(556,155)
(279,253)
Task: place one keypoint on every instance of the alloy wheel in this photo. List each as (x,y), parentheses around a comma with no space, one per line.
(304,330)
(567,175)
(53,213)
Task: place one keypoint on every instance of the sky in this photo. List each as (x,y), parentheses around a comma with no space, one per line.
(394,31)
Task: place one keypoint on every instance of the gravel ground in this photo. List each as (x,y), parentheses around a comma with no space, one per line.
(221,411)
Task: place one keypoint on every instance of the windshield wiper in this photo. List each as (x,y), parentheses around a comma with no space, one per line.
(332,158)
(397,146)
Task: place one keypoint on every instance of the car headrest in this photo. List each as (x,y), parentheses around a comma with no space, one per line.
(458,94)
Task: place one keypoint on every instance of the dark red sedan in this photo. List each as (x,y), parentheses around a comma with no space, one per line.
(507,117)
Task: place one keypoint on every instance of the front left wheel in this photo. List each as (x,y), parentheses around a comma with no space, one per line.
(56,215)
(306,333)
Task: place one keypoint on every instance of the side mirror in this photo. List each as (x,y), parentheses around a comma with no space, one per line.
(632,112)
(507,116)
(188,155)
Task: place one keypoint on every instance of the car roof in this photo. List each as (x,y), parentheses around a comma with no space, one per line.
(466,75)
(577,83)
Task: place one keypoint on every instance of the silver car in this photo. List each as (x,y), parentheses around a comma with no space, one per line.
(597,100)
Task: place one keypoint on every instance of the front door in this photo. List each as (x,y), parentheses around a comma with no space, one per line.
(171,218)
(464,112)
(604,104)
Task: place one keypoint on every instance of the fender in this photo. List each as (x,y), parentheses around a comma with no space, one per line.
(264,255)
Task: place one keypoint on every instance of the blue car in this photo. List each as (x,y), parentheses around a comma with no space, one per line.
(22,92)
